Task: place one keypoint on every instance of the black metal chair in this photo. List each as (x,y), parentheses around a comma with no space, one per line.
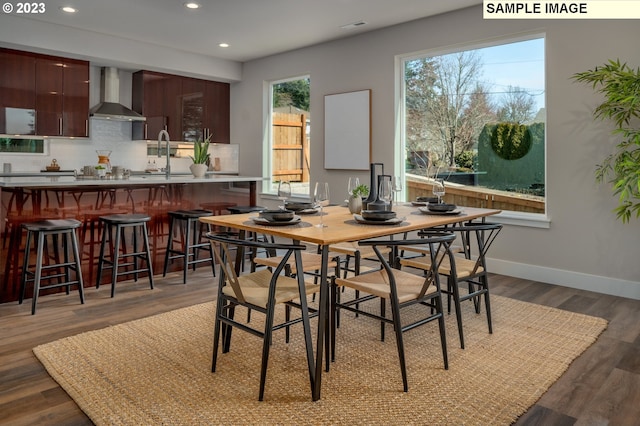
(402,289)
(470,266)
(259,291)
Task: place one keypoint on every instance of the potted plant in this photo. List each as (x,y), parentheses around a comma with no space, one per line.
(355,198)
(200,157)
(620,84)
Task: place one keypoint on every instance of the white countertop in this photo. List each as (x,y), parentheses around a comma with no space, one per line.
(151,179)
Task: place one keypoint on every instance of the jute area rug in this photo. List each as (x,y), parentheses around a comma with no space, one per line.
(157,370)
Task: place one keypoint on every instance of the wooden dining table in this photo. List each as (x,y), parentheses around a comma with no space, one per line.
(341,226)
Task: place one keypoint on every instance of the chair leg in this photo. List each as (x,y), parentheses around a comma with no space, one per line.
(216,333)
(443,334)
(397,325)
(487,303)
(453,286)
(268,330)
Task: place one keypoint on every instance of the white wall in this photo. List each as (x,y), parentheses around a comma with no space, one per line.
(585,246)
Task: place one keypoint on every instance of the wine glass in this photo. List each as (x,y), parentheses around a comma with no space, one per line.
(284,192)
(385,191)
(397,186)
(438,189)
(321,198)
(354,182)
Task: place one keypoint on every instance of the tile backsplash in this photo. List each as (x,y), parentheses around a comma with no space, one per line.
(105,135)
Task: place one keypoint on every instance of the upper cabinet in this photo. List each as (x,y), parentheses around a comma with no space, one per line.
(188,108)
(43,95)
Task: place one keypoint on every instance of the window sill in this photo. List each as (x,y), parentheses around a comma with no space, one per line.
(531,220)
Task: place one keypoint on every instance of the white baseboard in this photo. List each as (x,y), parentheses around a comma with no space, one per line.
(598,284)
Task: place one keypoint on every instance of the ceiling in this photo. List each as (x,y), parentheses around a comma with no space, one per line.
(252,28)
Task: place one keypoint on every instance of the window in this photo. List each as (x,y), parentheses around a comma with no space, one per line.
(289,154)
(476,117)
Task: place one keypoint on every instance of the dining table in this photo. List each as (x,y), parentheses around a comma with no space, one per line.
(340,226)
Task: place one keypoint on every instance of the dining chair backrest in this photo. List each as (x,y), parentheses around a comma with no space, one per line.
(476,238)
(438,241)
(231,269)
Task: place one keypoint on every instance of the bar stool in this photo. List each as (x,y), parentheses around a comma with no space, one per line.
(190,243)
(251,235)
(40,230)
(218,208)
(118,223)
(245,209)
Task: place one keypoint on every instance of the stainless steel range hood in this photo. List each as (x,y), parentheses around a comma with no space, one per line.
(110,108)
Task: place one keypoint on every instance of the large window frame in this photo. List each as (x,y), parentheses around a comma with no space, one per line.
(270,186)
(511,217)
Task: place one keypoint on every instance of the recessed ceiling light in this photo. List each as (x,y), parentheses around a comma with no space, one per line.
(68,9)
(224,45)
(192,5)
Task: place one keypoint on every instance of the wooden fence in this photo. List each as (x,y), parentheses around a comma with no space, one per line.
(290,148)
(476,196)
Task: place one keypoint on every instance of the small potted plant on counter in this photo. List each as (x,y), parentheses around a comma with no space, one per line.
(200,157)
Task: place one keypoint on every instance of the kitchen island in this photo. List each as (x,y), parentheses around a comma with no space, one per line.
(31,198)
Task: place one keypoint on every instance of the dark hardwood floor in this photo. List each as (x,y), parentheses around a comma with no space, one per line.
(602,387)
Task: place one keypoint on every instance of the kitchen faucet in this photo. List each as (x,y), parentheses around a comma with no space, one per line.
(167,169)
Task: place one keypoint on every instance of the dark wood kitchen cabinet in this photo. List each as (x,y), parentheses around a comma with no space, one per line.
(155,96)
(75,98)
(55,90)
(188,108)
(216,111)
(17,94)
(62,97)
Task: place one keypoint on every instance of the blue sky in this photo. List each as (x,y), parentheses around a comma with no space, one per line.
(516,64)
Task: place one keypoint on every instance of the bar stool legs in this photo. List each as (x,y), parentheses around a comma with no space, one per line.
(191,244)
(114,226)
(39,231)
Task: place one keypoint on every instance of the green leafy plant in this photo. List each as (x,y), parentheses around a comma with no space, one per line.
(201,151)
(511,141)
(361,190)
(620,84)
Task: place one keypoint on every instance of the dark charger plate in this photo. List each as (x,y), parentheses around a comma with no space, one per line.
(377,214)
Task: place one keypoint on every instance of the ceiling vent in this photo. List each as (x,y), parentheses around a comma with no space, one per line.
(353,25)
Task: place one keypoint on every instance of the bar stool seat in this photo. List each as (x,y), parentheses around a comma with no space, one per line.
(250,235)
(245,209)
(217,208)
(40,230)
(118,223)
(191,241)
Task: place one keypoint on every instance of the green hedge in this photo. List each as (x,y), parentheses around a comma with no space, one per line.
(507,171)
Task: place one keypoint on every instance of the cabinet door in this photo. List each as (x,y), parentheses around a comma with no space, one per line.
(17,91)
(172,88)
(49,92)
(192,109)
(75,100)
(216,112)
